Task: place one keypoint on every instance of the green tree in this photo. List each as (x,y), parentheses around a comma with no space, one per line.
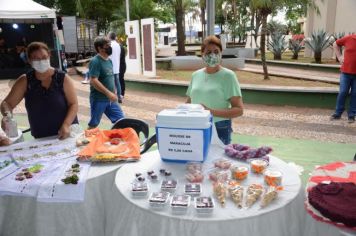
(139,9)
(102,12)
(267,7)
(63,7)
(293,13)
(180,8)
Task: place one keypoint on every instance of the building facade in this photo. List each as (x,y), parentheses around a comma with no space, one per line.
(336,16)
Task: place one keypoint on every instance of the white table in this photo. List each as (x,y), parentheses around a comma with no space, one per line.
(132,216)
(26,216)
(317,228)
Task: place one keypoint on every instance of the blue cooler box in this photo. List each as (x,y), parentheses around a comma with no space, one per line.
(184,134)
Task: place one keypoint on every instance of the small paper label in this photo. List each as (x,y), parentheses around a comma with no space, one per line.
(179,144)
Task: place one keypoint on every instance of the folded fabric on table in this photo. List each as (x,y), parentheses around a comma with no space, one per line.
(111,145)
(336,201)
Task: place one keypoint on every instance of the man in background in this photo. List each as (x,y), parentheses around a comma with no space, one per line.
(347,76)
(122,70)
(103,98)
(115,58)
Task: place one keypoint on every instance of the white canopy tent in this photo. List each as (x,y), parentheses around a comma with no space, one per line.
(24,9)
(28,20)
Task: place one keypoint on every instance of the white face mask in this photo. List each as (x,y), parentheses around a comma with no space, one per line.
(41,65)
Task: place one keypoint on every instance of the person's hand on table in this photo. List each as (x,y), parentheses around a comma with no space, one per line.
(4,141)
(205,107)
(64,132)
(3,123)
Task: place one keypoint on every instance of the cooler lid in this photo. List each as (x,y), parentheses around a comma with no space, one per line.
(184,118)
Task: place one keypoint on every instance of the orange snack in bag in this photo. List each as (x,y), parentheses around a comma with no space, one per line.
(239,172)
(258,166)
(111,145)
(273,178)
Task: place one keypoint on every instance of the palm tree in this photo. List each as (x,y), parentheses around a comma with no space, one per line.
(265,8)
(179,7)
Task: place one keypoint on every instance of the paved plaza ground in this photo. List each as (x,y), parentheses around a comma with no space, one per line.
(305,136)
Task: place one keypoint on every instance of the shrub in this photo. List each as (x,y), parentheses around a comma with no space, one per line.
(295,45)
(318,42)
(277,45)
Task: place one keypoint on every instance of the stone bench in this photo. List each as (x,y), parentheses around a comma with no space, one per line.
(195,63)
(240,52)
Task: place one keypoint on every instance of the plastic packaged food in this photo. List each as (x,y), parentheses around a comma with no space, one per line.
(219,189)
(273,177)
(194,166)
(258,166)
(222,163)
(218,175)
(269,196)
(237,194)
(193,189)
(159,199)
(195,177)
(139,189)
(204,205)
(180,204)
(254,191)
(239,172)
(169,185)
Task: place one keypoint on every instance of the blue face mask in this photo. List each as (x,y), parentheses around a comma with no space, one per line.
(212,59)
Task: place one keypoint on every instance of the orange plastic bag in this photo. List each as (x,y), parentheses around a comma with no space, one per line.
(111,145)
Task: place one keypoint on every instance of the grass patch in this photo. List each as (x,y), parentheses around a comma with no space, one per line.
(246,78)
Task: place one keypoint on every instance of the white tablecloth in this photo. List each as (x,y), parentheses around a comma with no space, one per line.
(25,216)
(132,216)
(317,228)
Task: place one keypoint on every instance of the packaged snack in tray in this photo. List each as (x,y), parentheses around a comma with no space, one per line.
(195,177)
(219,190)
(237,194)
(194,166)
(159,199)
(222,163)
(180,203)
(273,177)
(239,172)
(254,191)
(216,174)
(193,189)
(169,185)
(139,189)
(258,166)
(270,194)
(204,204)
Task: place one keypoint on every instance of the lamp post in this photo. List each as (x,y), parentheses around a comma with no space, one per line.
(127,10)
(211,16)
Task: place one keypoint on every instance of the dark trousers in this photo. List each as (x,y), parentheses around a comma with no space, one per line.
(122,83)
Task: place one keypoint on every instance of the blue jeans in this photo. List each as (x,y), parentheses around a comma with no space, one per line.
(111,109)
(224,130)
(347,82)
(117,85)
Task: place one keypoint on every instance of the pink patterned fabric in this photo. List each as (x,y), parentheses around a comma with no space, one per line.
(333,173)
(245,153)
